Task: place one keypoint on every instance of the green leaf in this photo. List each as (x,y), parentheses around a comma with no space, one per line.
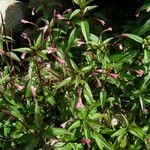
(51,100)
(88,8)
(86,69)
(123,142)
(74,66)
(145,28)
(93,38)
(75,125)
(119,132)
(13,56)
(33,143)
(137,132)
(146,56)
(71,40)
(31,70)
(88,94)
(60,131)
(75,13)
(3,79)
(136,38)
(85,29)
(23,50)
(38,41)
(142,103)
(103,95)
(47,133)
(37,115)
(63,83)
(101,142)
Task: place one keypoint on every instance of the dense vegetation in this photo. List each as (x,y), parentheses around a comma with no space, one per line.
(81,82)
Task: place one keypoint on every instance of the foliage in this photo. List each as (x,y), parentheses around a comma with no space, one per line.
(72,89)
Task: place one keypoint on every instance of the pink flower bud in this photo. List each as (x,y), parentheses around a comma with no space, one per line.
(101,21)
(124,35)
(60,61)
(19,87)
(85,141)
(33,90)
(145,110)
(79,104)
(113,75)
(139,73)
(79,42)
(60,17)
(51,49)
(63,125)
(53,141)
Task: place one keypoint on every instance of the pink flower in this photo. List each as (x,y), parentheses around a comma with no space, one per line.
(113,75)
(51,49)
(19,87)
(119,45)
(108,29)
(23,55)
(53,141)
(79,104)
(26,22)
(60,17)
(137,14)
(67,11)
(124,35)
(98,71)
(139,73)
(79,42)
(63,125)
(101,21)
(33,90)
(60,61)
(145,110)
(85,141)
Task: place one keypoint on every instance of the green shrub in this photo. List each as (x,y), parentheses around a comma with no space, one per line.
(72,89)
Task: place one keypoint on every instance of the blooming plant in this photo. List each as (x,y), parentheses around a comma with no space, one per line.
(74,89)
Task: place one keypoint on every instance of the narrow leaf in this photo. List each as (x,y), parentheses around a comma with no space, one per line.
(75,13)
(37,115)
(101,142)
(23,50)
(136,38)
(85,29)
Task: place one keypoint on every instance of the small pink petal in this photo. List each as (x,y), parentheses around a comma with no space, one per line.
(33,90)
(124,35)
(85,141)
(145,110)
(139,73)
(53,141)
(60,61)
(79,42)
(51,49)
(79,104)
(63,125)
(113,75)
(19,87)
(60,17)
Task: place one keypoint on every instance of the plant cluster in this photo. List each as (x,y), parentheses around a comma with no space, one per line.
(73,89)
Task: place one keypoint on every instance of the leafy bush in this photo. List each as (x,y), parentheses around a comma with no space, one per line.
(72,89)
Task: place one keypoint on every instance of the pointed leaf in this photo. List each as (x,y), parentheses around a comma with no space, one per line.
(23,50)
(101,142)
(60,131)
(75,13)
(85,29)
(136,38)
(37,116)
